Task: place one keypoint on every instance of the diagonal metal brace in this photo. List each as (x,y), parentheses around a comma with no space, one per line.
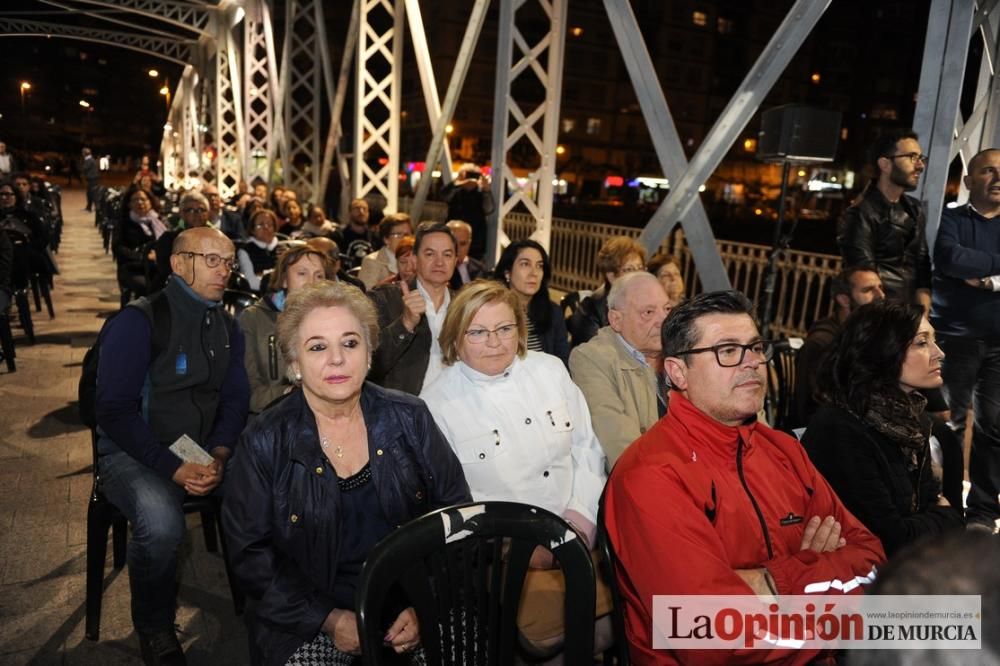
(747,99)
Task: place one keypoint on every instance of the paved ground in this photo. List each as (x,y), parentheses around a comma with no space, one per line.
(45,480)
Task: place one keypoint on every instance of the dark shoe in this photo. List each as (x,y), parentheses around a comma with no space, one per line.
(161,648)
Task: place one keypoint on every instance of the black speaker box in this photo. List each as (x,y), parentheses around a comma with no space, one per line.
(797,133)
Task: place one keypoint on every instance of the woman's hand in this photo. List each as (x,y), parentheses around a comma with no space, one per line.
(404,634)
(342,628)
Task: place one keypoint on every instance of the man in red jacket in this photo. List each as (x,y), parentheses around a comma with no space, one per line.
(709,501)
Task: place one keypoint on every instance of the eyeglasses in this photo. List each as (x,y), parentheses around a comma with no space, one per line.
(264,225)
(913,157)
(478,336)
(730,354)
(200,211)
(213,260)
(6,194)
(631,268)
(397,234)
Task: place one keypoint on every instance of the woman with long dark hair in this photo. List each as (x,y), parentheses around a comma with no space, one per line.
(871,439)
(524,267)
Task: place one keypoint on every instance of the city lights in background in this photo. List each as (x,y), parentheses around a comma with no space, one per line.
(84,103)
(153,73)
(815,78)
(449,128)
(560,150)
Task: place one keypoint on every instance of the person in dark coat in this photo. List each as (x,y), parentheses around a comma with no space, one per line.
(321,477)
(871,439)
(524,266)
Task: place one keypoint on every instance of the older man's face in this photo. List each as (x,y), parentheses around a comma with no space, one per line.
(194,264)
(728,395)
(639,319)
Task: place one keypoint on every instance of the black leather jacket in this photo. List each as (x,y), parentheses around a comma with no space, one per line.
(590,317)
(281,510)
(890,237)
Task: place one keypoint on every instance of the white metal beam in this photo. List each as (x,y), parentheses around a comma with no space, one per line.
(543,60)
(794,29)
(377,99)
(175,50)
(663,133)
(303,96)
(438,148)
(946,50)
(425,69)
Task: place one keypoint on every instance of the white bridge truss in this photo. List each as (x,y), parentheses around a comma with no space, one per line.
(246,109)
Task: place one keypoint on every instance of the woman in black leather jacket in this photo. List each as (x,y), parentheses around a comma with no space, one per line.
(871,439)
(323,475)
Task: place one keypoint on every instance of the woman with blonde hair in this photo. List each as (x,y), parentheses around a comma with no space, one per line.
(519,426)
(321,477)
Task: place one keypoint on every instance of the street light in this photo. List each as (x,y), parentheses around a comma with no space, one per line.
(84,103)
(25,87)
(165,91)
(153,73)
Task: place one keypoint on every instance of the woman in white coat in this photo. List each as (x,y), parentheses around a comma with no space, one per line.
(521,429)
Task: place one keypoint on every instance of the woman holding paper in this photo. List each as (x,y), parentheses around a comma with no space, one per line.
(321,477)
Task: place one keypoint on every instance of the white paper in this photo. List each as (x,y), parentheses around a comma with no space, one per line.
(188,450)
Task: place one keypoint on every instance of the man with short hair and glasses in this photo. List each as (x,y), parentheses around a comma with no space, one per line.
(710,501)
(885,228)
(147,399)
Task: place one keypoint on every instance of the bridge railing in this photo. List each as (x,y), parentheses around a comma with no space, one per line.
(801,293)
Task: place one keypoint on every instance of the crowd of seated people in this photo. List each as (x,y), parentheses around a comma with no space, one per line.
(466,381)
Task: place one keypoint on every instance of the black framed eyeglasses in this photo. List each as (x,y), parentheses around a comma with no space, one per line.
(913,157)
(200,211)
(731,354)
(213,260)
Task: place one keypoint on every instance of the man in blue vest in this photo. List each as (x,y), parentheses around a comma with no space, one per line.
(147,399)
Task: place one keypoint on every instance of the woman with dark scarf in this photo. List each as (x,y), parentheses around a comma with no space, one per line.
(138,228)
(871,438)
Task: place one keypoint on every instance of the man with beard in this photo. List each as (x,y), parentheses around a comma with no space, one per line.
(884,227)
(850,289)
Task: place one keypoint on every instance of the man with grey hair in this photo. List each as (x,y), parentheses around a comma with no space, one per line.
(194,215)
(468,268)
(617,368)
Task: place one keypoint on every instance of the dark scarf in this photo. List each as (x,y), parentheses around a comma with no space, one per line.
(899,420)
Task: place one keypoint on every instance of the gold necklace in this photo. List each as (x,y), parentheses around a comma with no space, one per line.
(338,451)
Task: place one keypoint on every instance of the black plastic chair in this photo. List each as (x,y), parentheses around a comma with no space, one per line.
(780,403)
(236,301)
(462,569)
(102,516)
(617,653)
(7,342)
